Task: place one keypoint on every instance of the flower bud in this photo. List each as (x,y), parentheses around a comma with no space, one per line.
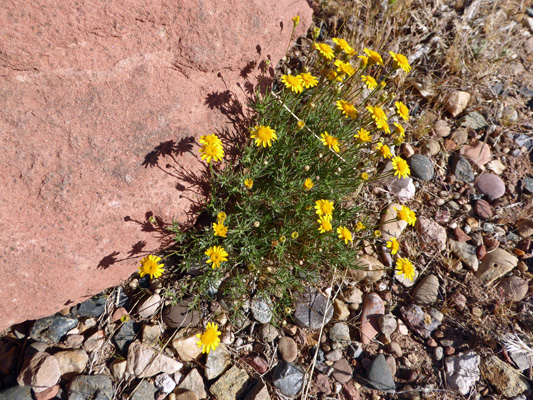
(256,224)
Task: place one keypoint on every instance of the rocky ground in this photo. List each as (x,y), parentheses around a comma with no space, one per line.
(462,329)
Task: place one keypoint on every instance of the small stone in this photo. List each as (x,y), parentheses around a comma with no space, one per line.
(421,167)
(118,369)
(479,153)
(496,166)
(431,342)
(97,387)
(432,147)
(288,378)
(352,295)
(144,390)
(217,362)
(71,362)
(118,314)
(462,372)
(185,345)
(431,235)
(449,351)
(426,291)
(458,300)
(460,235)
(230,385)
(350,392)
(373,307)
(257,363)
(340,332)
(51,329)
(179,315)
(184,395)
(436,314)
(194,382)
(41,371)
(380,375)
(442,128)
(262,309)
(387,324)
(407,150)
(46,394)
(341,311)
(125,335)
(438,353)
(391,362)
(73,341)
(395,349)
(334,355)
(419,321)
(527,185)
(322,384)
(369,269)
(95,341)
(459,136)
(150,335)
(496,264)
(513,288)
(267,333)
(144,361)
(490,185)
(312,310)
(342,371)
(482,209)
(506,380)
(288,349)
(149,306)
(473,120)
(456,102)
(93,307)
(525,227)
(466,253)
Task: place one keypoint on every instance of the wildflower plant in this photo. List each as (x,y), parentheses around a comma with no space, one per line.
(315,142)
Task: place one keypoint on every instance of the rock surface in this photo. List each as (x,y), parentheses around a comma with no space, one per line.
(312,310)
(504,378)
(462,371)
(426,291)
(91,106)
(380,375)
(288,378)
(231,385)
(496,264)
(373,308)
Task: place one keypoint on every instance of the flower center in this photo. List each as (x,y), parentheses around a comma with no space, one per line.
(264,133)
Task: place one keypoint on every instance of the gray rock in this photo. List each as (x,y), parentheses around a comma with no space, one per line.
(528,185)
(179,315)
(462,372)
(217,362)
(149,306)
(473,120)
(52,329)
(94,307)
(262,309)
(466,253)
(387,324)
(506,380)
(257,391)
(461,168)
(355,350)
(312,310)
(426,291)
(164,383)
(523,140)
(145,390)
(267,333)
(491,185)
(16,393)
(125,335)
(380,375)
(421,167)
(288,349)
(495,265)
(231,385)
(94,387)
(422,323)
(288,378)
(340,332)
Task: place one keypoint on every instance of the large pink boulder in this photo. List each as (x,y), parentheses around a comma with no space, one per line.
(89,89)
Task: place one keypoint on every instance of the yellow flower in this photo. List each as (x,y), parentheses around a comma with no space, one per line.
(364,61)
(377,114)
(308,80)
(324,50)
(401,168)
(301,125)
(405,267)
(360,226)
(394,245)
(400,61)
(316,32)
(296,20)
(294,235)
(403,111)
(150,266)
(282,239)
(248,183)
(331,141)
(324,208)
(220,229)
(400,130)
(213,152)
(343,44)
(347,109)
(345,234)
(216,255)
(308,184)
(331,75)
(377,233)
(324,225)
(295,83)
(406,214)
(364,176)
(344,68)
(221,216)
(209,340)
(384,150)
(210,139)
(369,81)
(373,57)
(264,135)
(363,135)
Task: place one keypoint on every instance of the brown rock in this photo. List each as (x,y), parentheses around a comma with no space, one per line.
(460,235)
(41,371)
(481,252)
(525,227)
(322,384)
(47,394)
(514,288)
(456,102)
(482,209)
(342,372)
(495,264)
(442,128)
(257,363)
(97,98)
(182,394)
(350,391)
(288,349)
(479,153)
(373,308)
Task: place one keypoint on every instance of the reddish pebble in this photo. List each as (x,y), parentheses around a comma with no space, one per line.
(431,342)
(481,252)
(47,394)
(482,209)
(257,363)
(459,300)
(350,392)
(118,313)
(449,351)
(490,242)
(460,235)
(366,363)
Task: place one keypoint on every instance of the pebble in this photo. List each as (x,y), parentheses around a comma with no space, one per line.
(395,349)
(459,136)
(258,363)
(231,384)
(288,378)
(118,369)
(379,374)
(71,362)
(350,392)
(352,295)
(438,353)
(419,321)
(47,394)
(461,168)
(387,324)
(217,362)
(442,128)
(355,350)
(185,344)
(322,384)
(496,166)
(525,227)
(449,351)
(490,185)
(125,335)
(466,253)
(426,291)
(432,147)
(506,380)
(149,306)
(93,307)
(431,236)
(179,315)
(460,235)
(473,120)
(52,329)
(391,362)
(527,185)
(267,333)
(94,342)
(456,102)
(462,371)
(342,371)
(16,393)
(341,310)
(370,269)
(496,264)
(373,307)
(288,349)
(312,310)
(388,226)
(145,362)
(340,332)
(334,355)
(513,288)
(41,371)
(184,395)
(482,209)
(195,383)
(421,167)
(144,390)
(262,309)
(478,152)
(458,300)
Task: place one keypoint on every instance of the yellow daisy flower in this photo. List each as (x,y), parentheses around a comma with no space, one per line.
(308,80)
(364,61)
(213,152)
(210,139)
(402,110)
(406,214)
(324,225)
(373,57)
(294,235)
(248,183)
(264,135)
(369,82)
(324,50)
(216,255)
(363,135)
(360,226)
(209,340)
(324,208)
(344,68)
(406,268)
(411,219)
(401,168)
(308,184)
(384,150)
(364,176)
(331,141)
(343,44)
(295,83)
(394,245)
(347,109)
(221,217)
(379,117)
(219,229)
(150,266)
(301,125)
(400,61)
(400,130)
(345,234)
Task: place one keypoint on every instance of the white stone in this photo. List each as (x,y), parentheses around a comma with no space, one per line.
(149,306)
(217,362)
(118,369)
(164,383)
(185,345)
(462,371)
(144,362)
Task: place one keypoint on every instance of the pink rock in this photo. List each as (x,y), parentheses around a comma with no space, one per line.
(373,308)
(97,99)
(479,153)
(118,314)
(41,371)
(431,235)
(47,394)
(490,185)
